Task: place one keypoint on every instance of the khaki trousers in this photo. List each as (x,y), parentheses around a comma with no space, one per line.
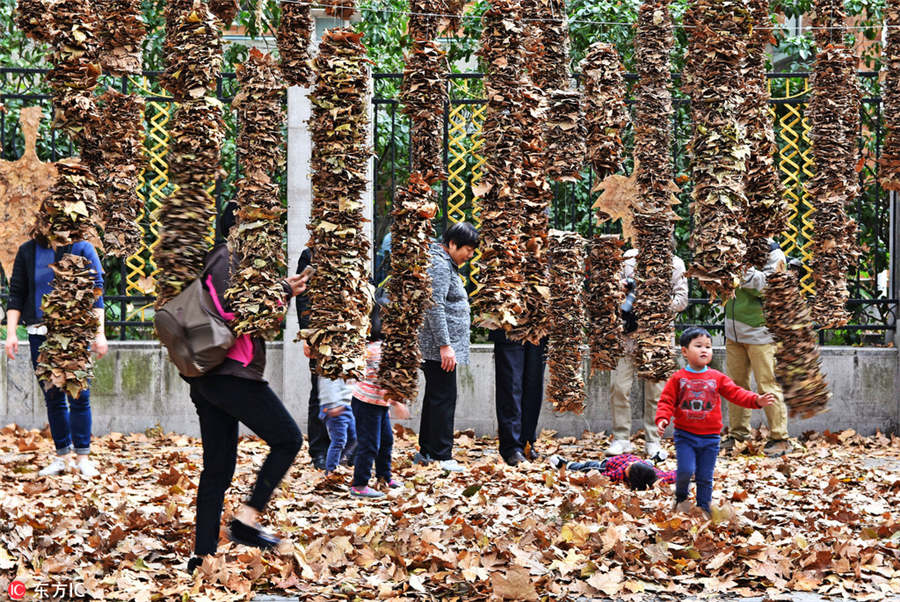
(740,360)
(620,404)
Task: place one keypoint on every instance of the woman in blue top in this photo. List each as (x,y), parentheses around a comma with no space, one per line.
(32,278)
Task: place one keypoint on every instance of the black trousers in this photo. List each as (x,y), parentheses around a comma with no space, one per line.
(519,384)
(438,410)
(315,428)
(222,402)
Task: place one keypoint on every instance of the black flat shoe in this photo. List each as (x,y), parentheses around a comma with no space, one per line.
(194,563)
(246,535)
(516,458)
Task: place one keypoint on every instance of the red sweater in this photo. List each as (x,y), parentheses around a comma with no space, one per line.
(693,397)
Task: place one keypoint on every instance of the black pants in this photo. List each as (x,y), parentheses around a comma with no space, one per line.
(222,402)
(375,440)
(315,428)
(519,384)
(438,410)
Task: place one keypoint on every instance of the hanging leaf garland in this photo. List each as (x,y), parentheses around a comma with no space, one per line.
(424,95)
(499,303)
(767,213)
(889,164)
(565,357)
(714,79)
(294,37)
(257,296)
(834,119)
(122,147)
(797,361)
(409,289)
(67,215)
(121,33)
(425,19)
(339,289)
(605,297)
(193,50)
(31,19)
(653,217)
(196,134)
(341,9)
(65,359)
(226,10)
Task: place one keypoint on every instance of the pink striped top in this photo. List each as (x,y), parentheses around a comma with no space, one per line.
(367,390)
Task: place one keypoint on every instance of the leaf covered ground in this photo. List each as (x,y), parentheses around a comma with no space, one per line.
(823,519)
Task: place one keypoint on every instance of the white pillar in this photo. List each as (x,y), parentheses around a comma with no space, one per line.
(299,192)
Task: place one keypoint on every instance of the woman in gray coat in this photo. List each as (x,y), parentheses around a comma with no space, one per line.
(444,342)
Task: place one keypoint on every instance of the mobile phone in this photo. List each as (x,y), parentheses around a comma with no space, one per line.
(307,271)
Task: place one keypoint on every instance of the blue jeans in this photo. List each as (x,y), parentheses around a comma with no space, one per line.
(342,433)
(584,466)
(696,456)
(376,440)
(70,423)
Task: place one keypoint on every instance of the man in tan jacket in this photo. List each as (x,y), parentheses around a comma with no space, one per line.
(623,376)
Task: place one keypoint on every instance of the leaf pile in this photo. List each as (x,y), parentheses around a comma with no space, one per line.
(889,164)
(424,94)
(121,34)
(65,360)
(564,126)
(67,215)
(409,289)
(824,519)
(122,144)
(604,298)
(226,10)
(294,37)
(603,105)
(257,296)
(31,19)
(565,348)
(797,362)
(767,213)
(193,50)
(535,196)
(652,214)
(714,79)
(499,301)
(834,120)
(339,289)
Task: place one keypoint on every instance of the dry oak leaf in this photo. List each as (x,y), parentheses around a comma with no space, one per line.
(618,198)
(516,585)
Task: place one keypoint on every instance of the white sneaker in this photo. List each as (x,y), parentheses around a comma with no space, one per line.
(556,461)
(619,446)
(87,468)
(655,452)
(57,467)
(450,465)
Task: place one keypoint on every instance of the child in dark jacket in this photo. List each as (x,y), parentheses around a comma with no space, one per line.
(691,400)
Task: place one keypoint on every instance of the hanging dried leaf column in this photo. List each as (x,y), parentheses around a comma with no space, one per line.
(32,19)
(889,165)
(121,35)
(767,213)
(409,289)
(653,216)
(193,61)
(603,101)
(797,362)
(499,302)
(549,64)
(257,296)
(424,95)
(339,289)
(65,359)
(565,357)
(834,125)
(294,37)
(122,145)
(425,19)
(714,79)
(67,214)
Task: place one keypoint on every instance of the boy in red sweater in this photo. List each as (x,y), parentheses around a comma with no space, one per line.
(692,396)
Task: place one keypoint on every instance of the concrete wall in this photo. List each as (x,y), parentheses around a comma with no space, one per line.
(135,387)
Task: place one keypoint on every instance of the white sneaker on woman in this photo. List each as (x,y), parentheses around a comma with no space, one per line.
(57,467)
(87,468)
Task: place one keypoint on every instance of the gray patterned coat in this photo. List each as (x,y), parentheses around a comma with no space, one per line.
(448,322)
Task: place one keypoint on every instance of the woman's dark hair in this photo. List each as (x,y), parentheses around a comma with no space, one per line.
(462,234)
(692,333)
(228,218)
(641,476)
